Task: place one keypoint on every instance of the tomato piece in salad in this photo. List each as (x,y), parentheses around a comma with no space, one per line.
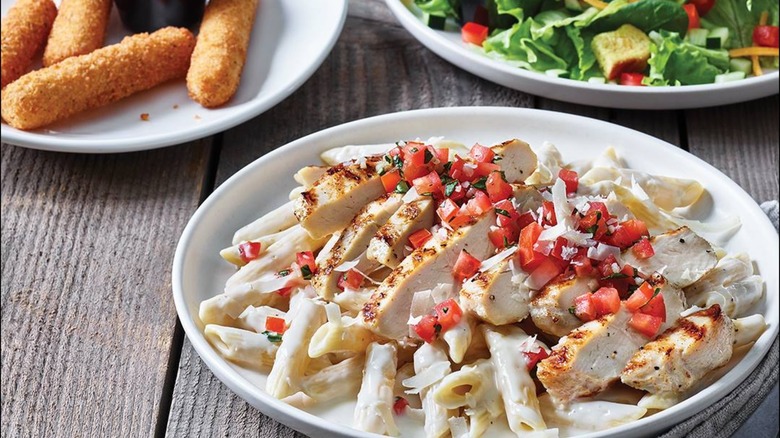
(249,251)
(506,213)
(571,179)
(400,405)
(448,314)
(275,324)
(390,180)
(481,154)
(466,266)
(634,79)
(640,297)
(351,279)
(647,325)
(497,187)
(628,232)
(606,301)
(419,238)
(584,309)
(479,204)
(474,33)
(429,184)
(428,328)
(447,210)
(548,214)
(766,36)
(702,6)
(694,22)
(529,258)
(643,249)
(533,357)
(308,266)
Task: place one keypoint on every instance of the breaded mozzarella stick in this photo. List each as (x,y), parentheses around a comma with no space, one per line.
(79,28)
(106,75)
(220,53)
(24,31)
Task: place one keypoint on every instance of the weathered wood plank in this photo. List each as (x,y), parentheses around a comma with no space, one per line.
(87,311)
(742,141)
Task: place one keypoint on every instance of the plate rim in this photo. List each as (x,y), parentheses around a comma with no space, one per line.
(623,97)
(305,421)
(253,108)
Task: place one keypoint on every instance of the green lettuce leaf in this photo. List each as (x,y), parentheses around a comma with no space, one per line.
(516,44)
(740,17)
(441,8)
(647,15)
(585,66)
(675,61)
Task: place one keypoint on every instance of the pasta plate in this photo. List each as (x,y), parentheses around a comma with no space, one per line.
(199,272)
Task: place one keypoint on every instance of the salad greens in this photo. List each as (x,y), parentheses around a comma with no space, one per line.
(557,36)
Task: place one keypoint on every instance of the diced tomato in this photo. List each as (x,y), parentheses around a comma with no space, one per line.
(447,210)
(460,220)
(506,213)
(703,6)
(456,169)
(351,279)
(634,79)
(557,251)
(285,291)
(442,154)
(583,267)
(501,237)
(479,204)
(524,220)
(584,308)
(466,266)
(474,33)
(595,223)
(627,233)
(249,251)
(548,214)
(448,313)
(606,266)
(419,237)
(606,300)
(430,183)
(413,171)
(693,16)
(640,297)
(529,259)
(481,154)
(655,307)
(275,324)
(458,193)
(533,357)
(571,178)
(497,188)
(647,325)
(396,151)
(643,249)
(306,258)
(546,270)
(767,36)
(428,328)
(599,206)
(485,169)
(414,152)
(399,406)
(390,180)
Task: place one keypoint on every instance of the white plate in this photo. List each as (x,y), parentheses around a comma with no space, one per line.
(199,272)
(449,46)
(290,40)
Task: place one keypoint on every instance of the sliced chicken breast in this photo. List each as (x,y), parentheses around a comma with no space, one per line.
(352,242)
(680,255)
(309,175)
(387,312)
(683,354)
(550,306)
(336,197)
(388,246)
(518,161)
(495,296)
(592,356)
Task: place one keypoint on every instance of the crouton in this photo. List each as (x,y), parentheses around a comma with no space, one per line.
(626,49)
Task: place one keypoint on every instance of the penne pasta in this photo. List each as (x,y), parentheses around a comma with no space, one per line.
(336,381)
(245,348)
(272,222)
(374,409)
(340,334)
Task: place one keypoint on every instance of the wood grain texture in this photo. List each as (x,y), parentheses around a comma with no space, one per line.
(742,141)
(87,312)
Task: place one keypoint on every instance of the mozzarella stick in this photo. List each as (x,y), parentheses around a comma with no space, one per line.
(220,53)
(79,28)
(106,75)
(24,30)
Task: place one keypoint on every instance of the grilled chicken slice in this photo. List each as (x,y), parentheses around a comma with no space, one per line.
(680,255)
(387,312)
(592,356)
(388,246)
(527,198)
(550,306)
(352,242)
(518,161)
(309,175)
(336,197)
(683,354)
(496,296)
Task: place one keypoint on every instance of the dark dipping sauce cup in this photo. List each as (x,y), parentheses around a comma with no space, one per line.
(150,15)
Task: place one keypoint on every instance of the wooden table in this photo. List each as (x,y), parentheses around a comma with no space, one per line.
(90,341)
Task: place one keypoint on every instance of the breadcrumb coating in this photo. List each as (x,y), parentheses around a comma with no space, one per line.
(80,28)
(24,31)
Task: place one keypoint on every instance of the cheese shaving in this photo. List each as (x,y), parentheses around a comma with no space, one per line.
(426,378)
(489,263)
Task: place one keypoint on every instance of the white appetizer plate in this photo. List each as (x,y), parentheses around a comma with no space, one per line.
(448,45)
(199,272)
(291,38)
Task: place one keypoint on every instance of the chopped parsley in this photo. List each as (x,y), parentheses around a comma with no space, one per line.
(402,187)
(273,336)
(480,183)
(447,167)
(437,328)
(615,276)
(283,273)
(306,272)
(572,310)
(497,158)
(428,156)
(592,229)
(502,212)
(449,187)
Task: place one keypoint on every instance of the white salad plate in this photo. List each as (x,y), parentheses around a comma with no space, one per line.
(448,45)
(290,39)
(200,273)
